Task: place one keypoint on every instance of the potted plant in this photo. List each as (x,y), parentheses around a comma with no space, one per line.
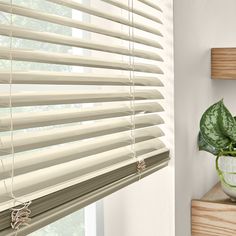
(218,136)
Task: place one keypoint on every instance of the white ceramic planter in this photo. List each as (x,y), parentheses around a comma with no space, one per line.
(228,164)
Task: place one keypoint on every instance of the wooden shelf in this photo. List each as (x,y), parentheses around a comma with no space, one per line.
(214,214)
(223,63)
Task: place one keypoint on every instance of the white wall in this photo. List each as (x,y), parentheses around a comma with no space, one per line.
(198,25)
(143,209)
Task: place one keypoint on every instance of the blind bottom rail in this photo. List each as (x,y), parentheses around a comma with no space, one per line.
(54,206)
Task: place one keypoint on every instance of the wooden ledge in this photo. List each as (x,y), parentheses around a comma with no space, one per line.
(214,215)
(223,63)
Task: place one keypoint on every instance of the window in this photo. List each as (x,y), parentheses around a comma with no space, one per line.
(70,225)
(81,223)
(82,103)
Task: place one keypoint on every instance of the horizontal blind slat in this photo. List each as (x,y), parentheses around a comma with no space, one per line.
(28,162)
(151,4)
(23,120)
(93,11)
(28,141)
(73,60)
(72,78)
(52,97)
(5,7)
(24,33)
(121,5)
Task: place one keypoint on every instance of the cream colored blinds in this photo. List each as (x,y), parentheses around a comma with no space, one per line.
(81,98)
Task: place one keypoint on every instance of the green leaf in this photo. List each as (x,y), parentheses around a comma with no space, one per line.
(227,122)
(210,127)
(204,146)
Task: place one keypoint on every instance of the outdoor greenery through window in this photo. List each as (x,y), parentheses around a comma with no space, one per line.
(74,224)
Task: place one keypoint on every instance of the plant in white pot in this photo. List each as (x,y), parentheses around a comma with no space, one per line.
(218,136)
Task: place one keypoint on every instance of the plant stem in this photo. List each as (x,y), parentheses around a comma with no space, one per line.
(222,153)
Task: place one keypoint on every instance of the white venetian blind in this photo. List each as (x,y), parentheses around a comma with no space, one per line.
(81,95)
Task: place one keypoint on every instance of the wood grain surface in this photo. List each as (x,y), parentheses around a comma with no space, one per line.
(223,63)
(214,215)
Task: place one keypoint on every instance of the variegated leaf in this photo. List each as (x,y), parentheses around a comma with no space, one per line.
(203,145)
(227,122)
(210,127)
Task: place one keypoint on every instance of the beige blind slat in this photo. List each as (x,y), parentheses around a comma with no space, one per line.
(52,97)
(72,78)
(28,141)
(23,33)
(151,4)
(5,7)
(73,60)
(23,120)
(92,11)
(124,6)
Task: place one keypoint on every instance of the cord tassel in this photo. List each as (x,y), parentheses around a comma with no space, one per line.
(141,166)
(20,216)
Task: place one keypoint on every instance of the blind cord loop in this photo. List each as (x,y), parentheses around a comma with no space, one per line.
(20,215)
(131,76)
(141,166)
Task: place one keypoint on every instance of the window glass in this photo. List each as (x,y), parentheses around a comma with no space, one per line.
(85,222)
(71,225)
